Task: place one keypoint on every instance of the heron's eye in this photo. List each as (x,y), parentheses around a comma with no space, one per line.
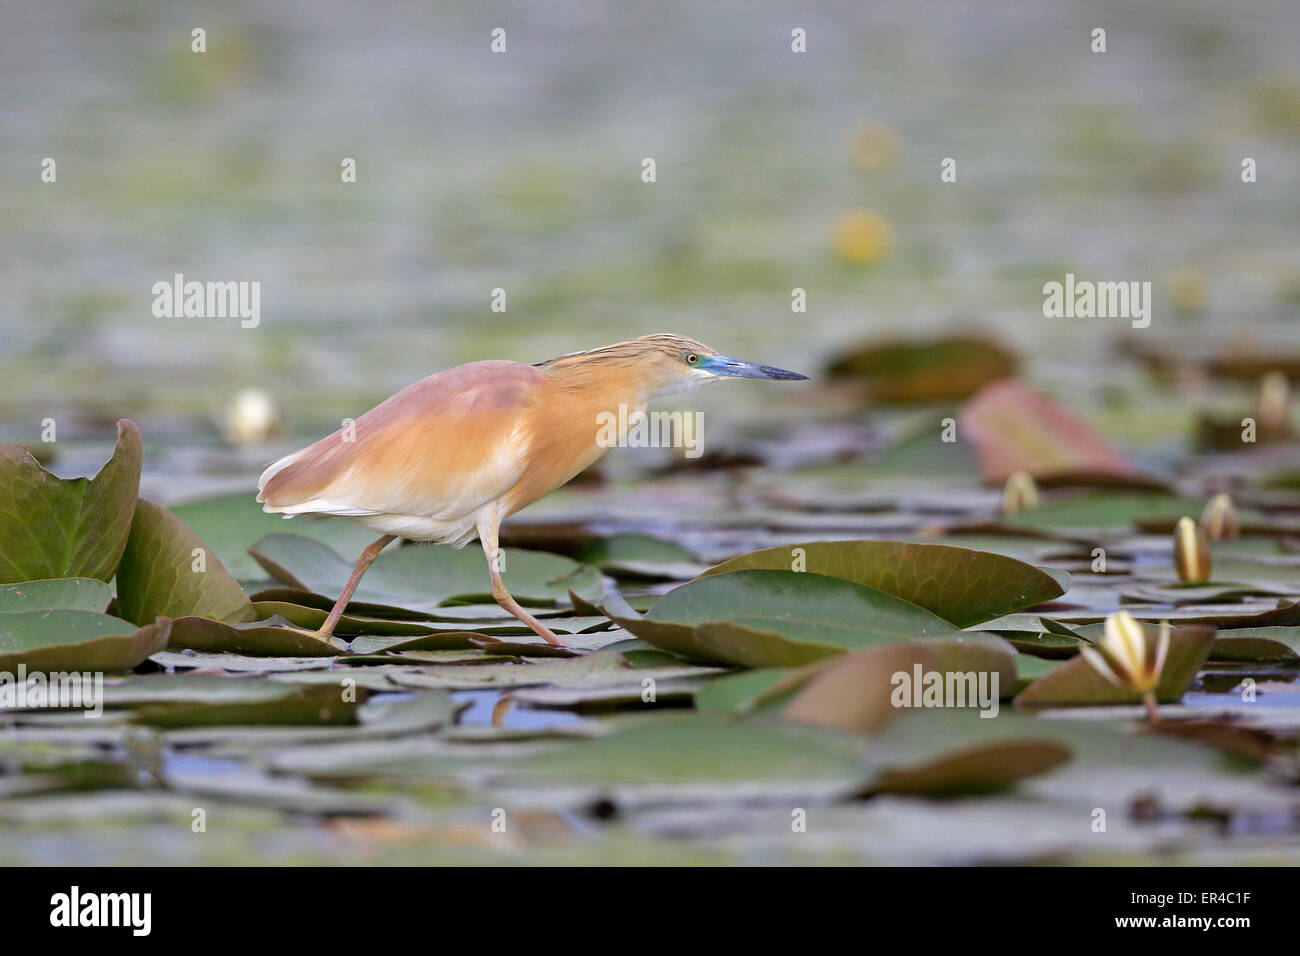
(692,359)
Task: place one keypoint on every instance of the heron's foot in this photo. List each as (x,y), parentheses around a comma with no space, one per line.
(536,626)
(508,603)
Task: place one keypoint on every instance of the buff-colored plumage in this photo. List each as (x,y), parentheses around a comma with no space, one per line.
(451,456)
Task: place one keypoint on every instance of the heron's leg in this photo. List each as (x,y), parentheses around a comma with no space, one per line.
(367,558)
(487,533)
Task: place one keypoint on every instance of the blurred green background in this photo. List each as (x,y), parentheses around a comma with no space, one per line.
(476,170)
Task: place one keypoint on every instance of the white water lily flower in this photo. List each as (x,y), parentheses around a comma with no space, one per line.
(1122,656)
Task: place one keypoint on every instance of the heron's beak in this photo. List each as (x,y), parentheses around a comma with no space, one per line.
(721,365)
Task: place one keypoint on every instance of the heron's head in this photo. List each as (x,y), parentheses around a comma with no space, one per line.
(667,363)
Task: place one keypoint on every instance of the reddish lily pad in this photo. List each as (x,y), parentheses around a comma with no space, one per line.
(1016,429)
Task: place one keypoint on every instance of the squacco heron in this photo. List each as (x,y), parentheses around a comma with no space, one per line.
(450,457)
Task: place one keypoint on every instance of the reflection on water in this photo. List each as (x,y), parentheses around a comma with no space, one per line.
(492,708)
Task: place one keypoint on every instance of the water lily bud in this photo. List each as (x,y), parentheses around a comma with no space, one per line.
(1020,493)
(1122,655)
(1219,519)
(1274,399)
(1191,552)
(251,418)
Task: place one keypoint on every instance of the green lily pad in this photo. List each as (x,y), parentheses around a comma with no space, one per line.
(433,641)
(145,689)
(962,586)
(274,637)
(231,524)
(66,527)
(765,618)
(167,571)
(75,640)
(305,704)
(1179,595)
(301,597)
(1256,644)
(422,578)
(74,594)
(1032,634)
(311,618)
(1104,510)
(915,453)
(238,663)
(903,372)
(945,752)
(701,752)
(1075,683)
(641,556)
(738,692)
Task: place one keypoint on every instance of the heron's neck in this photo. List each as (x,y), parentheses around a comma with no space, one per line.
(603,386)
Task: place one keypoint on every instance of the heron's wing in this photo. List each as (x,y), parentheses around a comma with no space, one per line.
(441,448)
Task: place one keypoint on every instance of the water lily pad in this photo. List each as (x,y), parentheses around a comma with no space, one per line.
(1016,429)
(270,638)
(738,692)
(1098,510)
(67,527)
(238,663)
(77,594)
(1076,683)
(700,753)
(854,692)
(950,752)
(167,571)
(1256,644)
(1032,634)
(962,586)
(433,641)
(75,640)
(231,524)
(319,704)
(423,578)
(144,689)
(312,618)
(762,618)
(946,368)
(634,556)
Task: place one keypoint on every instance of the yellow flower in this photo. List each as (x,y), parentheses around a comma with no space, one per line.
(1122,656)
(1191,552)
(863,236)
(1020,493)
(1219,519)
